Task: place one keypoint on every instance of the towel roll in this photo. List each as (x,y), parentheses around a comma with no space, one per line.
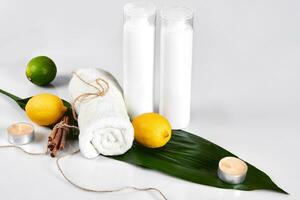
(105,127)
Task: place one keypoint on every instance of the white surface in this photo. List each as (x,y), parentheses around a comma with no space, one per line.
(245,92)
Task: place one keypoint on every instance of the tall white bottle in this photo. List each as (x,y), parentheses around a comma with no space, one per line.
(176,49)
(138,57)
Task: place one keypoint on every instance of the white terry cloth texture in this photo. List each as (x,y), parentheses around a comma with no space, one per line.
(104,124)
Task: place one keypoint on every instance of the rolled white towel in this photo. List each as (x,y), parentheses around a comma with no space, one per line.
(105,127)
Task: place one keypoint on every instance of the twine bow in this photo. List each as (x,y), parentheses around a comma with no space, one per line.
(101,87)
(64,125)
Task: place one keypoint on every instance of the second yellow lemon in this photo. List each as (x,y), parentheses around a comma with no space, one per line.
(151,130)
(45,109)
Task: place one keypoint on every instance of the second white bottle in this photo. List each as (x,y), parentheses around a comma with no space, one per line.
(176,49)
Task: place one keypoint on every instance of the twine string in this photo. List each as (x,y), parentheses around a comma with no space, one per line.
(24,151)
(58,165)
(102,191)
(101,88)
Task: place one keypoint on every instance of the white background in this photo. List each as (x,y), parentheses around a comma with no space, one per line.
(245,91)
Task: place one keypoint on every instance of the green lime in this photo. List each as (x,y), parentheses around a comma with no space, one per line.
(41,70)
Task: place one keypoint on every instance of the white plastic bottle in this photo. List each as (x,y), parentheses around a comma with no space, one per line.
(138,57)
(176,49)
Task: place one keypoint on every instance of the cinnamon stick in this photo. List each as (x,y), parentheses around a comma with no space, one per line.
(53,152)
(58,136)
(56,142)
(64,134)
(52,135)
(51,146)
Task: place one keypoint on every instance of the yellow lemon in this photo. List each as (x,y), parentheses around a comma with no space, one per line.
(45,109)
(151,130)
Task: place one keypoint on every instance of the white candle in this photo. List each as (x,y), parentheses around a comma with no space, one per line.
(138,57)
(20,133)
(176,49)
(232,170)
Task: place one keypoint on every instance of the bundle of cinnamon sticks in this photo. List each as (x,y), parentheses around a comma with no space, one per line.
(58,136)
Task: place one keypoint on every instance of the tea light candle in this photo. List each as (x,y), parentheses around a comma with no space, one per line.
(232,170)
(20,133)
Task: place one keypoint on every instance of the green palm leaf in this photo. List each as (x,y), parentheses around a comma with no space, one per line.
(186,156)
(194,159)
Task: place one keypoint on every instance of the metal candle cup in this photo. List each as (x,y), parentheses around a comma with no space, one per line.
(20,133)
(232,170)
